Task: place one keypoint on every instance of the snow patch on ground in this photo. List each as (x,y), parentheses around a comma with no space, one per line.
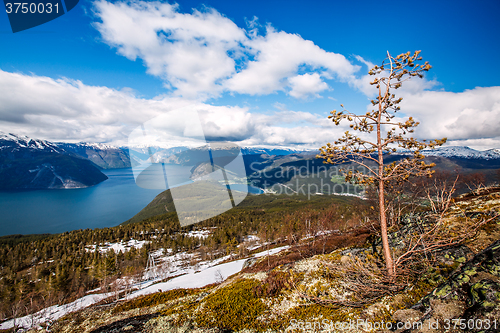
(204,233)
(190,272)
(351,195)
(251,238)
(209,273)
(54,312)
(117,247)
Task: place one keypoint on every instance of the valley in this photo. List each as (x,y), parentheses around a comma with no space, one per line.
(270,253)
(39,271)
(273,255)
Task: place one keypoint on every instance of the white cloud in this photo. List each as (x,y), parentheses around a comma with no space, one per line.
(479,144)
(362,83)
(367,63)
(471,114)
(204,53)
(188,51)
(68,110)
(64,109)
(280,106)
(278,56)
(306,85)
(230,123)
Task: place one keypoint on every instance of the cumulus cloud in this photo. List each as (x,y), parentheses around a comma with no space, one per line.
(278,56)
(202,54)
(65,109)
(362,83)
(189,51)
(306,85)
(471,114)
(69,110)
(479,144)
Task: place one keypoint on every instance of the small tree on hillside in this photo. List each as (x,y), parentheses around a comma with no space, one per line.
(390,133)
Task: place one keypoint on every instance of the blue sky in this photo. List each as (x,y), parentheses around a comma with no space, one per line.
(264,72)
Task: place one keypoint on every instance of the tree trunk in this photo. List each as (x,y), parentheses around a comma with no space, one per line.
(383,230)
(381,193)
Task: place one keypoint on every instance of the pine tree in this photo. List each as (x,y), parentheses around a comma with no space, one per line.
(370,153)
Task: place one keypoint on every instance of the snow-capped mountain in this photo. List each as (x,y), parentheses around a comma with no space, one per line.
(141,154)
(274,151)
(463,152)
(101,146)
(103,155)
(279,151)
(9,141)
(20,141)
(27,163)
(107,156)
(495,150)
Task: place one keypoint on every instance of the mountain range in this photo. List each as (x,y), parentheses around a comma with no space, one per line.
(27,163)
(464,152)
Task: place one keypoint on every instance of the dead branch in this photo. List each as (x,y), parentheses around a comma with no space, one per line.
(434,240)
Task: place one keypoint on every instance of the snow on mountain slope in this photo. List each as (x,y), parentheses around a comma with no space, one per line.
(462,152)
(53,313)
(13,141)
(494,151)
(10,139)
(27,163)
(103,155)
(88,145)
(207,275)
(274,150)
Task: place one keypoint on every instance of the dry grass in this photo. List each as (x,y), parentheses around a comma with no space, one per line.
(325,244)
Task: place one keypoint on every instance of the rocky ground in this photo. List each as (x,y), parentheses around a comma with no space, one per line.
(458,292)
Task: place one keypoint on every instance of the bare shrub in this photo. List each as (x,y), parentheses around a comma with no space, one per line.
(363,280)
(416,246)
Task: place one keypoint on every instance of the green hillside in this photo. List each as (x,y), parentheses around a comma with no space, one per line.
(163,204)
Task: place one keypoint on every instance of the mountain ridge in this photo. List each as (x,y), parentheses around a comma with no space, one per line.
(257,159)
(463,152)
(447,151)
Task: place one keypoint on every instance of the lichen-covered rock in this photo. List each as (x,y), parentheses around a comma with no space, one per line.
(250,262)
(449,256)
(473,292)
(447,309)
(485,295)
(345,259)
(407,315)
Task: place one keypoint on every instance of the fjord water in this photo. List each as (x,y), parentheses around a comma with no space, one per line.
(107,204)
